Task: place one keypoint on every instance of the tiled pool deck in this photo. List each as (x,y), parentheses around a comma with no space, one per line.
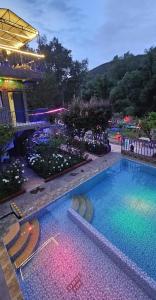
(76,268)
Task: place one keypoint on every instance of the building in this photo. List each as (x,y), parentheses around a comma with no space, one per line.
(16,80)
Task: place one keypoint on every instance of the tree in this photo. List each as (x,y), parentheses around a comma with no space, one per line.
(126,95)
(148,123)
(77,77)
(46,93)
(63,76)
(133,83)
(99,87)
(92,115)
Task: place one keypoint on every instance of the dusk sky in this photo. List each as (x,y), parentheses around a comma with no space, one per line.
(97,30)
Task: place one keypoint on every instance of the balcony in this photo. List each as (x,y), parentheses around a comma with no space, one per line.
(21,120)
(23,72)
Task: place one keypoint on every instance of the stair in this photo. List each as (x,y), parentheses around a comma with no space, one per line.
(11,235)
(89,211)
(75,203)
(82,205)
(21,241)
(31,246)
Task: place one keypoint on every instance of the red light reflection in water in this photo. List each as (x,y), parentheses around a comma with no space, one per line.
(60,262)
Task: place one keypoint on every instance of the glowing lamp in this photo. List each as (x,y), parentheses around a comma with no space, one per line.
(127,119)
(30,228)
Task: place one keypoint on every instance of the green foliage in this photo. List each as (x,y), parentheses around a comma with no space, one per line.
(52,146)
(11,179)
(148,123)
(93,115)
(46,93)
(99,87)
(53,163)
(6,134)
(130,133)
(97,147)
(132,88)
(125,96)
(63,76)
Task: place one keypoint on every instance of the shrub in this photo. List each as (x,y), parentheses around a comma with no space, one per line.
(6,134)
(11,179)
(52,164)
(97,147)
(93,115)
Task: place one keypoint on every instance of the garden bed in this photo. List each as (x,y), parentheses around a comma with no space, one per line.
(49,162)
(92,147)
(11,180)
(68,170)
(11,196)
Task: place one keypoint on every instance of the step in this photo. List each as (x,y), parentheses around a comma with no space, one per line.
(31,246)
(89,211)
(82,206)
(21,242)
(12,235)
(75,203)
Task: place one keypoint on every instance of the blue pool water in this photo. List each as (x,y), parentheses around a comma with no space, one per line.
(124,201)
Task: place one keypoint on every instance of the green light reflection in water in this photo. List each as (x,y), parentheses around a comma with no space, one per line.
(135,217)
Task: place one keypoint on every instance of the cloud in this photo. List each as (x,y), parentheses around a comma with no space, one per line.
(66,7)
(129,25)
(95,29)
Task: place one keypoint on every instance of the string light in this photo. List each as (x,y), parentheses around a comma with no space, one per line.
(21,51)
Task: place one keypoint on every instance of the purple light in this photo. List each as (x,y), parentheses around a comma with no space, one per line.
(49,111)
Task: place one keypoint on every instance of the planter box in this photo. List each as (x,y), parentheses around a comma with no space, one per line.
(67,170)
(16,194)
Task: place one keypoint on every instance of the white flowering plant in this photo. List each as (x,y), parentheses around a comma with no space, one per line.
(93,145)
(11,178)
(97,147)
(47,164)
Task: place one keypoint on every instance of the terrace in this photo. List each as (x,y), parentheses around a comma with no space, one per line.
(22,72)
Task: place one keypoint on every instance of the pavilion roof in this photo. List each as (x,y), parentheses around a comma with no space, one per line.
(14,31)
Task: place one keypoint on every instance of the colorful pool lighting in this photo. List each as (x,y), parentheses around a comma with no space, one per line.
(30,228)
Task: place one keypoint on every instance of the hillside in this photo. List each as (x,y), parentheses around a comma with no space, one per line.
(135,62)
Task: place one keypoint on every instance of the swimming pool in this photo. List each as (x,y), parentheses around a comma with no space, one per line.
(124,201)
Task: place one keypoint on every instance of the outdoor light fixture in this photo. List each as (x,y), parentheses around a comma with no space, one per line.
(52,111)
(21,51)
(20,35)
(15,33)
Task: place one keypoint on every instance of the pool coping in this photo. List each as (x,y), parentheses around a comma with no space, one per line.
(146,283)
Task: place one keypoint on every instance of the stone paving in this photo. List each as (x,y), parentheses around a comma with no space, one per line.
(33,180)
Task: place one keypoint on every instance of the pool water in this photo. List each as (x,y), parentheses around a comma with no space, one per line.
(124,201)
